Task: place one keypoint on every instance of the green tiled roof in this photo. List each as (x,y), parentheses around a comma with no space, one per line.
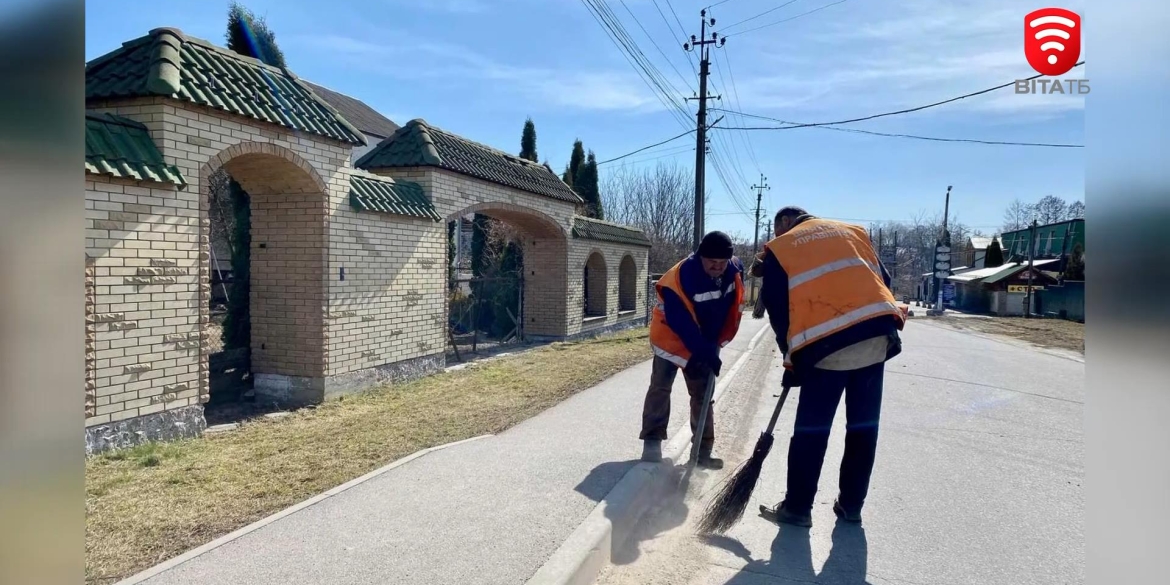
(418,144)
(387,196)
(168,63)
(121,147)
(592,229)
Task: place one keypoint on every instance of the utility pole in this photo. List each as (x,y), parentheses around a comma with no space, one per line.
(894,268)
(701,43)
(759,199)
(1031,255)
(944,240)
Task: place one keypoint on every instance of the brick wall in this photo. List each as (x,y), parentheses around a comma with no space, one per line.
(142,302)
(391,307)
(614,255)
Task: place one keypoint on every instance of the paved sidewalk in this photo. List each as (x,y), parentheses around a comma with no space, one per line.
(486,511)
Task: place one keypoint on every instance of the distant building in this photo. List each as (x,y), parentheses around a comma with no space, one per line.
(1052,241)
(367,120)
(975,252)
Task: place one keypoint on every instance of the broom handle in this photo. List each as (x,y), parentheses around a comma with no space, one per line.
(698,438)
(776,413)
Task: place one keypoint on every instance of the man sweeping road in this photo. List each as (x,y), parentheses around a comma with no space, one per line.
(829,301)
(698,312)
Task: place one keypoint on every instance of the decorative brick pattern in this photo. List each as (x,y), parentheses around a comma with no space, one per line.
(340,299)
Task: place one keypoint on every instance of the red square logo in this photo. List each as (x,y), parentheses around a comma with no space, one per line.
(1052,40)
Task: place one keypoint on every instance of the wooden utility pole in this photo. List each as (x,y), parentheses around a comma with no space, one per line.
(701,43)
(759,199)
(944,240)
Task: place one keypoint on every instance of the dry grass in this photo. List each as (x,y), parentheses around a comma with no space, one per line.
(151,503)
(1052,333)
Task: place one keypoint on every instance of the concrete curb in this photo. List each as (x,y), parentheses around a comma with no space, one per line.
(172,563)
(587,551)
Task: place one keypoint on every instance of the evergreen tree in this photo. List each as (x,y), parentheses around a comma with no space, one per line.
(237,326)
(585,184)
(994,255)
(249,35)
(575,161)
(528,141)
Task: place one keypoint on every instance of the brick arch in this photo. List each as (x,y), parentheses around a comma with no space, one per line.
(289,259)
(596,284)
(628,283)
(262,167)
(528,220)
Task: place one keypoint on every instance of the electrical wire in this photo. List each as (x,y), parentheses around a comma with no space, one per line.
(685,83)
(631,153)
(929,138)
(905,111)
(764,13)
(789,19)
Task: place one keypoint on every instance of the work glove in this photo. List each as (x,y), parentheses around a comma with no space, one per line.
(703,365)
(791,379)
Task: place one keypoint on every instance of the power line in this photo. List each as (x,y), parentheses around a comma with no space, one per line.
(906,111)
(766,12)
(690,58)
(718,3)
(746,136)
(671,139)
(637,59)
(686,84)
(917,137)
(744,32)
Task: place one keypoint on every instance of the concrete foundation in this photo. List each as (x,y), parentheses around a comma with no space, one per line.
(167,425)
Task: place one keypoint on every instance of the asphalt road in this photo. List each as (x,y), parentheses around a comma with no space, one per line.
(978,480)
(488,511)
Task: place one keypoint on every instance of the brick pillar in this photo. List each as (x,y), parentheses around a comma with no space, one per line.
(287,286)
(545,287)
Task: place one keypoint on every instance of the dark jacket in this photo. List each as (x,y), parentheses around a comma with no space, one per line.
(774,293)
(702,339)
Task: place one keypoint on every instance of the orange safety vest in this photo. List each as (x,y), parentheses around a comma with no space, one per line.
(665,342)
(834,280)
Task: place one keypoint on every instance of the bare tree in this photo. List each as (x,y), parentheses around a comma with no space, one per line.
(1076,210)
(1017,216)
(1051,209)
(657,200)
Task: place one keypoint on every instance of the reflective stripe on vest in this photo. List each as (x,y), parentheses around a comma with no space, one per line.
(715,294)
(803,277)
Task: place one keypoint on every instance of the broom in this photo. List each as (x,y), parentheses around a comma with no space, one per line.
(729,504)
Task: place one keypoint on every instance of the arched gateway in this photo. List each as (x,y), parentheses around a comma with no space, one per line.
(347,262)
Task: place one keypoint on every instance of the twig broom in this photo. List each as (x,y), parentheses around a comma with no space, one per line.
(729,504)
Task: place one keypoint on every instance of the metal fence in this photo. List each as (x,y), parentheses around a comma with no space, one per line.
(484,313)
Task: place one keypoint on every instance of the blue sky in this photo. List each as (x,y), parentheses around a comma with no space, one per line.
(479,67)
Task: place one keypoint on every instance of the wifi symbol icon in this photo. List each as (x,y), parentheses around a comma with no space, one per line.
(1052,40)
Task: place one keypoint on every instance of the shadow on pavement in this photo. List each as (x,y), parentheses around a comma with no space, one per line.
(603,478)
(669,510)
(791,560)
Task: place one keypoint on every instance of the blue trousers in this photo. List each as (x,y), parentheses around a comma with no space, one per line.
(820,393)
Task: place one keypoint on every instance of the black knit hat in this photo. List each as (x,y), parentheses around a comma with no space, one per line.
(716,246)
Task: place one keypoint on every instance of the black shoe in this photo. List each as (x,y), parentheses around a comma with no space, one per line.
(839,510)
(706,461)
(652,451)
(781,515)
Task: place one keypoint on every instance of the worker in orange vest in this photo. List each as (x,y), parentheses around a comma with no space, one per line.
(698,312)
(829,301)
